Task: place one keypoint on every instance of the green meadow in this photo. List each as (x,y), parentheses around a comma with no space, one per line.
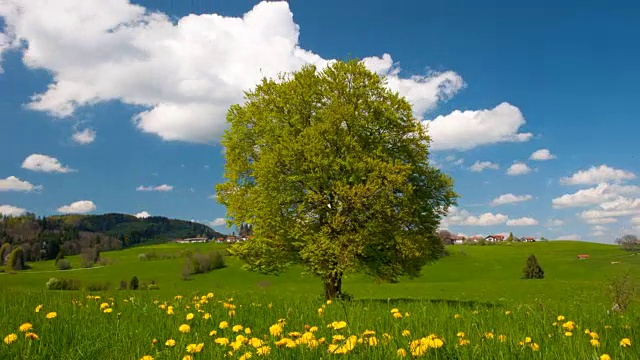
(473,303)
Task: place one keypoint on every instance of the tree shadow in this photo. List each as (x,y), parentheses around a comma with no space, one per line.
(471,304)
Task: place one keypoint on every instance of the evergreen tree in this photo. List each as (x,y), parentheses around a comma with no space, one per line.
(532,269)
(510,238)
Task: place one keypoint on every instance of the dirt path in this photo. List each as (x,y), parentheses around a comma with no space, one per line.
(54,271)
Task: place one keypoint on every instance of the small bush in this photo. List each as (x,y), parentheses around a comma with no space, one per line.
(622,291)
(62,284)
(134,283)
(123,284)
(202,263)
(16,259)
(100,286)
(153,287)
(532,269)
(59,257)
(63,264)
(142,257)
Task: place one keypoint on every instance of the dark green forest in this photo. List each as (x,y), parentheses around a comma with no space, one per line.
(43,238)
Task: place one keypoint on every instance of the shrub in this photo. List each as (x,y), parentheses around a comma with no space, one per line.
(134,283)
(59,257)
(202,263)
(62,284)
(142,257)
(87,257)
(123,284)
(99,286)
(532,269)
(63,264)
(16,259)
(622,291)
(5,250)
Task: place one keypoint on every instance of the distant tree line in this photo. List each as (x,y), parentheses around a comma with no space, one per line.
(45,238)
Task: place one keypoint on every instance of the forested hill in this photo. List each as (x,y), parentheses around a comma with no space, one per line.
(43,237)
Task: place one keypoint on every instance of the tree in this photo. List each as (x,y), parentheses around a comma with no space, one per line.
(510,238)
(444,236)
(4,251)
(16,259)
(629,243)
(532,269)
(331,170)
(133,285)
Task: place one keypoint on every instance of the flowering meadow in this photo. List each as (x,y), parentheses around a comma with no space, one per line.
(146,325)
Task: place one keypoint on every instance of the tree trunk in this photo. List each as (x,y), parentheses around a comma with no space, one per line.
(333,286)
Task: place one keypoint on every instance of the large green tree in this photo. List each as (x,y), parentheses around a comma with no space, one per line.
(331,170)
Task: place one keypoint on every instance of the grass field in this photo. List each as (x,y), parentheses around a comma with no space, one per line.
(477,290)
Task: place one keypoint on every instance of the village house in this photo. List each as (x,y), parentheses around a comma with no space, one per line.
(192,240)
(528,239)
(494,238)
(455,239)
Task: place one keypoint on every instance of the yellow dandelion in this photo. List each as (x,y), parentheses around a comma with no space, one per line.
(625,342)
(223,325)
(594,335)
(605,357)
(560,318)
(263,351)
(535,346)
(401,352)
(184,328)
(488,335)
(221,341)
(25,327)
(457,316)
(38,308)
(206,316)
(406,333)
(460,334)
(51,315)
(329,302)
(245,356)
(107,310)
(193,348)
(247,331)
(31,336)
(463,342)
(190,316)
(10,339)
(236,328)
(568,333)
(104,306)
(147,357)
(170,343)
(275,330)
(502,338)
(187,357)
(397,315)
(212,332)
(594,342)
(313,329)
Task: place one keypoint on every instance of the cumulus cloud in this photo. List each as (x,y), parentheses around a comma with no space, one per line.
(621,206)
(601,221)
(600,228)
(594,195)
(462,217)
(596,175)
(44,163)
(185,72)
(570,237)
(9,210)
(518,168)
(464,130)
(480,166)
(83,137)
(12,183)
(554,222)
(598,233)
(161,188)
(78,207)
(510,199)
(142,215)
(523,221)
(542,155)
(217,222)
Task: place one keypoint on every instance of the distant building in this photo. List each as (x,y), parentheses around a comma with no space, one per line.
(192,240)
(583,256)
(528,239)
(494,238)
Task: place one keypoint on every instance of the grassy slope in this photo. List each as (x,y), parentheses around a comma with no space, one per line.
(471,273)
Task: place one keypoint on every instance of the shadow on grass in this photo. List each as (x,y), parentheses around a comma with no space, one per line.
(471,304)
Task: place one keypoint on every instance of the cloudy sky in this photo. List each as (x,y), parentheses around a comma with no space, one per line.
(118,106)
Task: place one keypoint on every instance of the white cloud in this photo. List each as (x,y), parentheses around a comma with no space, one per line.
(635,220)
(217,222)
(161,188)
(595,195)
(12,183)
(480,166)
(601,221)
(598,233)
(518,168)
(464,218)
(597,175)
(185,72)
(542,155)
(510,199)
(142,215)
(570,237)
(600,228)
(44,163)
(78,207)
(464,130)
(83,137)
(9,210)
(554,223)
(523,221)
(621,206)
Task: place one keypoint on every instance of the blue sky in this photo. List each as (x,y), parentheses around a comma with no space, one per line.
(117,106)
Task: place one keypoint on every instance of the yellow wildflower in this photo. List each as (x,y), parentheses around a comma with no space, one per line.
(206,316)
(401,352)
(190,316)
(535,346)
(193,348)
(147,357)
(275,330)
(245,356)
(568,333)
(625,342)
(51,315)
(223,325)
(31,336)
(170,343)
(212,332)
(38,308)
(184,328)
(187,357)
(236,328)
(222,341)
(406,333)
(107,310)
(594,342)
(605,357)
(560,318)
(10,339)
(263,351)
(25,327)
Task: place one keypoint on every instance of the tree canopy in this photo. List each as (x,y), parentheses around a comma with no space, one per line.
(331,170)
